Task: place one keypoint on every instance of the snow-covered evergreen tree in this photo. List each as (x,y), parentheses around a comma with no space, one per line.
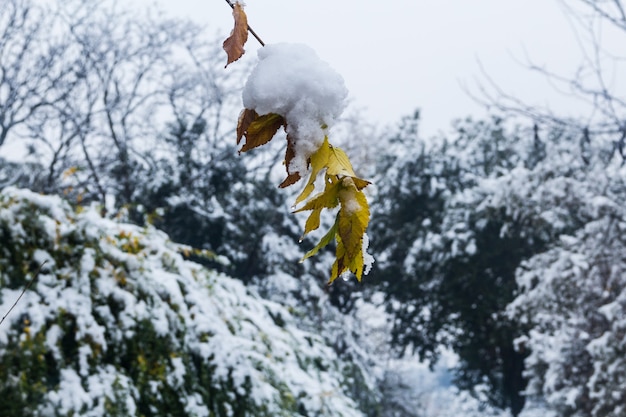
(571,297)
(447,258)
(507,246)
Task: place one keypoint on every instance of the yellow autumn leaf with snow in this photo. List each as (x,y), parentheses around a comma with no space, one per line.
(328,199)
(341,188)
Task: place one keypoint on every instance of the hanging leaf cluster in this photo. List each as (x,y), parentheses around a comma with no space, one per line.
(339,186)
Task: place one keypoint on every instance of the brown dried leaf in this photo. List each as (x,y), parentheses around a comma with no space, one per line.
(246,118)
(233,45)
(294,177)
(290,180)
(262,130)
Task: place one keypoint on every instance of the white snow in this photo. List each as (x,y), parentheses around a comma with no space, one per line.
(291,80)
(368,259)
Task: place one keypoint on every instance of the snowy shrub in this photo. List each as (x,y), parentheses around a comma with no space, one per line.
(117,323)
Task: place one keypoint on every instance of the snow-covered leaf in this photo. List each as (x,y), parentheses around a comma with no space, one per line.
(257,130)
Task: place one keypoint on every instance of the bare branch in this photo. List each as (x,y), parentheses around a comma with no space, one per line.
(232,5)
(591,83)
(30,283)
(619,21)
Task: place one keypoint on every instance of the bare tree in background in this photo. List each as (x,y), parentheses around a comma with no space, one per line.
(33,67)
(596,81)
(89,88)
(36,74)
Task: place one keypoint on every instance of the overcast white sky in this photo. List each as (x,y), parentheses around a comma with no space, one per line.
(399,55)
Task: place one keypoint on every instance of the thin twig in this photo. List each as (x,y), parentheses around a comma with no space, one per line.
(231,4)
(23,291)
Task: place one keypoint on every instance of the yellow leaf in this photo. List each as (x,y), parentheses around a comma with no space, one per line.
(356,265)
(354,217)
(338,267)
(339,164)
(350,224)
(233,45)
(328,199)
(336,163)
(313,222)
(344,264)
(319,160)
(352,221)
(328,237)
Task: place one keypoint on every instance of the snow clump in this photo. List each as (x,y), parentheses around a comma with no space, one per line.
(292,81)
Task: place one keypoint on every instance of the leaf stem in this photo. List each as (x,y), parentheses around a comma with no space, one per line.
(23,291)
(232,5)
